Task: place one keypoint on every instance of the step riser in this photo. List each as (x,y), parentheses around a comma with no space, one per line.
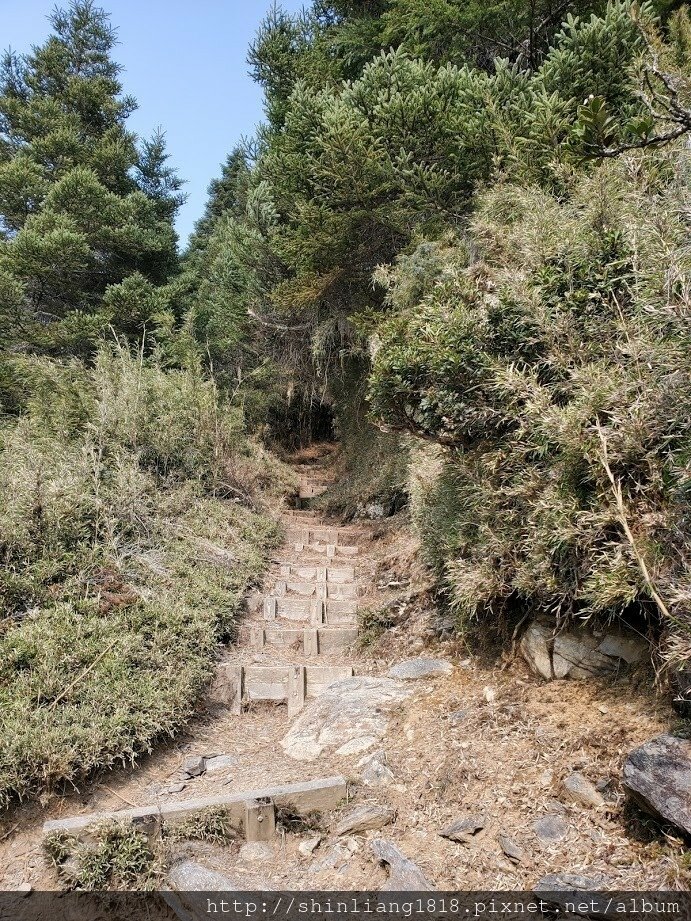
(332,612)
(331,551)
(318,536)
(293,684)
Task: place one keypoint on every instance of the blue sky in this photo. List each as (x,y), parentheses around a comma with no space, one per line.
(185,62)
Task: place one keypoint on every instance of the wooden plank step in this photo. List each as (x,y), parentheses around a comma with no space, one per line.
(312,490)
(321,795)
(291,683)
(317,590)
(310,641)
(307,573)
(316,611)
(331,551)
(312,535)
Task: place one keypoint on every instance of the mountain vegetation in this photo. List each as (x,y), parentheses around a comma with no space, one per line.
(461,234)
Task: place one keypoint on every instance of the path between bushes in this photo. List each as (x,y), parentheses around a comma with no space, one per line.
(446,739)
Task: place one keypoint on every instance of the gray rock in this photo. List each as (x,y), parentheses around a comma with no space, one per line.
(458,717)
(375,771)
(580,790)
(347,710)
(413,669)
(575,655)
(657,776)
(256,852)
(550,828)
(627,646)
(404,875)
(189,877)
(308,847)
(174,788)
(535,648)
(510,848)
(463,830)
(220,763)
(194,766)
(364,818)
(562,889)
(577,652)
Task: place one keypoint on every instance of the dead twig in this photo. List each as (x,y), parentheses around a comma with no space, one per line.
(82,675)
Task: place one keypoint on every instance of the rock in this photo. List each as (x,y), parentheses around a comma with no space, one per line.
(308,847)
(194,766)
(364,818)
(24,889)
(404,875)
(568,882)
(626,646)
(510,848)
(350,709)
(189,877)
(355,746)
(458,717)
(535,649)
(220,762)
(575,654)
(256,851)
(657,776)
(174,788)
(463,829)
(550,828)
(562,889)
(413,669)
(580,790)
(578,652)
(375,771)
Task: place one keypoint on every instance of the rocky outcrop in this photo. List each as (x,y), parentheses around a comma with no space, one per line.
(657,776)
(579,652)
(349,717)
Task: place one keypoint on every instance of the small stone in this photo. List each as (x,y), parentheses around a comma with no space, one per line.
(175,788)
(458,717)
(375,771)
(364,818)
(220,762)
(256,851)
(308,847)
(24,889)
(510,848)
(569,882)
(355,746)
(463,829)
(580,790)
(550,828)
(194,766)
(413,669)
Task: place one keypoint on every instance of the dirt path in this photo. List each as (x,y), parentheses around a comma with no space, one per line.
(487,741)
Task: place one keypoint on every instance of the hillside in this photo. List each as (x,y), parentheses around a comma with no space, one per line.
(378,488)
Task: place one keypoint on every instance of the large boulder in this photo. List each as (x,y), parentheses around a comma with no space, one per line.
(579,652)
(350,716)
(657,776)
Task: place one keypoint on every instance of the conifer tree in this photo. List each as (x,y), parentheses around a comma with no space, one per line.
(82,208)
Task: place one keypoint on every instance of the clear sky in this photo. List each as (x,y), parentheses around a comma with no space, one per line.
(185,62)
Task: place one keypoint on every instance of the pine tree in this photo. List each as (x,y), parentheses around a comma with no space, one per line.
(81,206)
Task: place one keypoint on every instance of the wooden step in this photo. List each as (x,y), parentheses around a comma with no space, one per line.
(304,573)
(312,490)
(319,535)
(304,798)
(291,683)
(330,551)
(316,611)
(310,641)
(341,591)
